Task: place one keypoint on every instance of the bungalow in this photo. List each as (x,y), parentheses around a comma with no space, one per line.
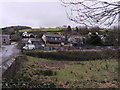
(5,39)
(52,38)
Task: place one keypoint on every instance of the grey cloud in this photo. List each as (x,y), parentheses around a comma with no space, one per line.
(42,14)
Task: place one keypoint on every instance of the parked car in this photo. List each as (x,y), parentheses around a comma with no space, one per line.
(29,47)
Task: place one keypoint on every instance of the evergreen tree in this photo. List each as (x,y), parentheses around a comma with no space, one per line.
(94,40)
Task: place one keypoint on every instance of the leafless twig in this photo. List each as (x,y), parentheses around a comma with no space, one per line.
(92,13)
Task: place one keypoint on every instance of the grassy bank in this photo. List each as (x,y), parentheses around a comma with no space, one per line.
(68,74)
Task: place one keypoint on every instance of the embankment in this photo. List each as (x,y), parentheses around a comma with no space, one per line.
(16,65)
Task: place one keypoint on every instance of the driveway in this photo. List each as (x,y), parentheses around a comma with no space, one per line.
(7,54)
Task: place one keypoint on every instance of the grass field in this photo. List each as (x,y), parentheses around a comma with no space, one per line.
(70,74)
(42,29)
(49,29)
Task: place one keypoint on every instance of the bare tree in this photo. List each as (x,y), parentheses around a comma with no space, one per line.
(92,12)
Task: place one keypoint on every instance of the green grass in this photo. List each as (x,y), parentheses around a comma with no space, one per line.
(91,72)
(105,29)
(36,58)
(44,29)
(45,50)
(49,29)
(90,68)
(78,74)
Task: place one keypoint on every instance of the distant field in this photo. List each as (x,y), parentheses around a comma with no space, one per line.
(43,29)
(70,74)
(105,29)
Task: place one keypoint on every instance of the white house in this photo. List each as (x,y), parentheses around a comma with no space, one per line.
(75,39)
(26,34)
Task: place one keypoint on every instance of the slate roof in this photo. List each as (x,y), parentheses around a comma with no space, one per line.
(53,35)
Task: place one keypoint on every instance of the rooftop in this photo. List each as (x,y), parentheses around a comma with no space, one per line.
(53,35)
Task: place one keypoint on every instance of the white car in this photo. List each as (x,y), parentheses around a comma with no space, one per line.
(29,47)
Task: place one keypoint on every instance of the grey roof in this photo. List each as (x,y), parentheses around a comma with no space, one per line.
(25,40)
(4,36)
(32,39)
(53,35)
(35,39)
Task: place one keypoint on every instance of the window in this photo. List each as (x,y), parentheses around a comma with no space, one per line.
(4,39)
(59,38)
(56,38)
(52,38)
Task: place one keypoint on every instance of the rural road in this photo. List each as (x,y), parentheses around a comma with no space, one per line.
(7,53)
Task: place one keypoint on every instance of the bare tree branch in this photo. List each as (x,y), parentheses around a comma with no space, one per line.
(90,13)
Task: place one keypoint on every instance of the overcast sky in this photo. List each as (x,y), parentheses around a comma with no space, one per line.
(34,14)
(49,13)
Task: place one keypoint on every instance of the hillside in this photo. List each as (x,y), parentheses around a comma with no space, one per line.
(12,29)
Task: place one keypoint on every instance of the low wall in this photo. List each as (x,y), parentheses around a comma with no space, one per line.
(16,65)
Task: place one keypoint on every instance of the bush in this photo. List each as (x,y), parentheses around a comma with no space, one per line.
(47,72)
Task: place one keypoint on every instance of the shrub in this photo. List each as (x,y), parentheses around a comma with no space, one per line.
(46,73)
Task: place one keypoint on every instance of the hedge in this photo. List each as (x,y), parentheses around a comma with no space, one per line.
(75,55)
